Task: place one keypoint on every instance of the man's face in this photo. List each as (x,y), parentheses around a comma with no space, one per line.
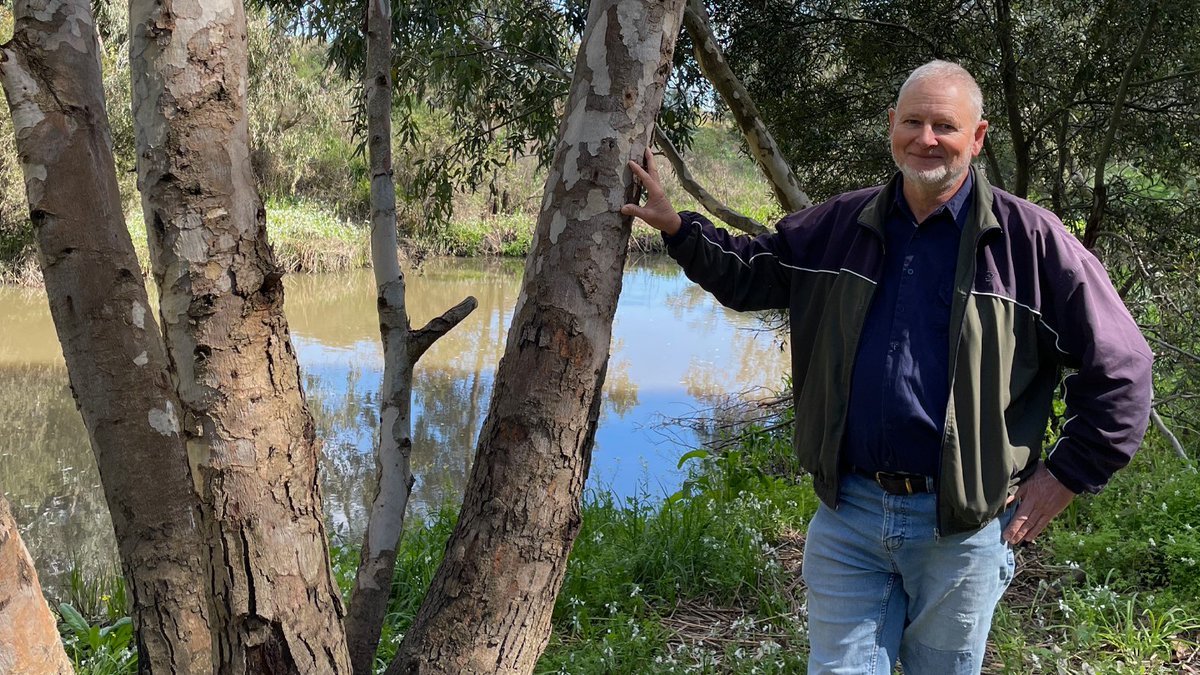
(934,134)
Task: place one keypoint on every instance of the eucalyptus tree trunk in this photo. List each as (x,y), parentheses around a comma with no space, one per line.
(402,347)
(114,351)
(489,606)
(762,144)
(29,641)
(250,437)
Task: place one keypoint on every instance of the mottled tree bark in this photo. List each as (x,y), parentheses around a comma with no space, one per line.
(402,347)
(489,606)
(762,144)
(114,351)
(250,437)
(29,641)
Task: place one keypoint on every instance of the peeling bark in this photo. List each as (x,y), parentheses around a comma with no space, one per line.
(489,606)
(762,144)
(250,437)
(401,349)
(29,641)
(113,349)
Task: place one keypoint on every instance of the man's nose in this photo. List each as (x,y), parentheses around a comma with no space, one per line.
(927,136)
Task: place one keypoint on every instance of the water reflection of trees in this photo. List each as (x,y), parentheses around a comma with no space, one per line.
(49,475)
(48,472)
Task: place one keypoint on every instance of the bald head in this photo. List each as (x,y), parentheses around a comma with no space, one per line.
(947,71)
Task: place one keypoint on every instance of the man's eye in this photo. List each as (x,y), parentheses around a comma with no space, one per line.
(947,127)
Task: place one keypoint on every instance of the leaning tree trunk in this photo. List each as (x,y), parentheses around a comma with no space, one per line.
(762,144)
(250,437)
(489,606)
(402,347)
(29,641)
(113,349)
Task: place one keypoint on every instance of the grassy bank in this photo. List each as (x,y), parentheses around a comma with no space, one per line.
(317,235)
(707,580)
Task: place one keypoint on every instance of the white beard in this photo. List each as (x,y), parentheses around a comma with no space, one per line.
(939,178)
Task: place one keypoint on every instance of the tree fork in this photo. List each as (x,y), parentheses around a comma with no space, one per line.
(402,347)
(489,606)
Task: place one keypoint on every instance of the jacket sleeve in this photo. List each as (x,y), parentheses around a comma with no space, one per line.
(1108,396)
(742,272)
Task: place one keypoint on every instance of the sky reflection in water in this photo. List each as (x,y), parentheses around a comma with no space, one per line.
(675,351)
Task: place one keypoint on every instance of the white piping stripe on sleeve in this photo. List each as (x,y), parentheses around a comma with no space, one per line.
(1062,436)
(722,250)
(747,263)
(1041,319)
(872,281)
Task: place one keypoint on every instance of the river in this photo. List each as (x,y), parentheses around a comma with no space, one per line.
(675,352)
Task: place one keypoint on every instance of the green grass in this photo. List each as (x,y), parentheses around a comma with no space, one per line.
(704,581)
(309,233)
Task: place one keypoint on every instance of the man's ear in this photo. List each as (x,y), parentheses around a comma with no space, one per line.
(980,133)
(891,119)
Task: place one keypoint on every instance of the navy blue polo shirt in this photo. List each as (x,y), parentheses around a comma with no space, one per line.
(901,372)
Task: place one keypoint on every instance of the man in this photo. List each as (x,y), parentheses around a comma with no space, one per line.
(930,318)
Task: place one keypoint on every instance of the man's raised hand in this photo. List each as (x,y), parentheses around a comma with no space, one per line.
(657,211)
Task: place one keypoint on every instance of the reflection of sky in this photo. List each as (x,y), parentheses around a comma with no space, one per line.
(673,350)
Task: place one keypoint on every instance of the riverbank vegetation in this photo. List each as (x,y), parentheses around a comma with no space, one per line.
(313,177)
(707,580)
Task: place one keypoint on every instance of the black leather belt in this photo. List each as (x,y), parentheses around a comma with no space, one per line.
(898,482)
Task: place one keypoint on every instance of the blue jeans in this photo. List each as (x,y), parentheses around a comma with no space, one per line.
(883,586)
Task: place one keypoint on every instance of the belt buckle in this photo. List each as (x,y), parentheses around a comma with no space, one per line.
(880,476)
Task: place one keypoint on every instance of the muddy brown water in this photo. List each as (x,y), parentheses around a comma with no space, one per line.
(675,352)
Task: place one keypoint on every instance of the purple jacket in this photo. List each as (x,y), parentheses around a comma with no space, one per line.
(1028,302)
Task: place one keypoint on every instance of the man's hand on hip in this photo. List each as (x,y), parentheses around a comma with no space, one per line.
(1042,498)
(657,211)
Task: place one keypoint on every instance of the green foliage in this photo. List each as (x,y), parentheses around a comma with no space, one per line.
(308,237)
(1142,532)
(302,146)
(98,649)
(94,621)
(492,71)
(710,543)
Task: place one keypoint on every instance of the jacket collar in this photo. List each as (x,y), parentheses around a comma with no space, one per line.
(980,220)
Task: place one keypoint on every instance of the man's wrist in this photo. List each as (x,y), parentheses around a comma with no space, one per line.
(673,226)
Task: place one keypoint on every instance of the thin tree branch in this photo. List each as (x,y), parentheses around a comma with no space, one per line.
(707,200)
(1099,189)
(762,144)
(423,338)
(1171,438)
(1181,352)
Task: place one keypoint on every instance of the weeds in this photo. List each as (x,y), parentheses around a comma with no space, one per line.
(707,580)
